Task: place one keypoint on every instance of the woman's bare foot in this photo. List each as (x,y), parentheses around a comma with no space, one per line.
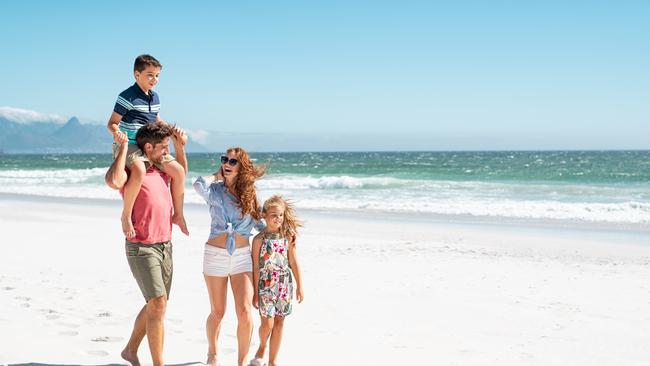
(180,221)
(127,226)
(131,357)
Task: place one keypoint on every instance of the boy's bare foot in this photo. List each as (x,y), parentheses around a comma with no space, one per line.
(127,226)
(180,221)
(131,357)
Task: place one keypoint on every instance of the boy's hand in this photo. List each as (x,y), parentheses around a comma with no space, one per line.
(120,137)
(299,294)
(180,136)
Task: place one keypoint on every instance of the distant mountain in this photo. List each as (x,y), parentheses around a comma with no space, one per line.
(52,137)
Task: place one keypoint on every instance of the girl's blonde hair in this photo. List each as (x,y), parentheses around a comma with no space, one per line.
(290,225)
(245,185)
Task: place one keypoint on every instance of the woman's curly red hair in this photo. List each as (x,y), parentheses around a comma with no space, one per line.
(245,185)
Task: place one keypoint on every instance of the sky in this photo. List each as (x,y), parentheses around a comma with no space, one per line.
(463,75)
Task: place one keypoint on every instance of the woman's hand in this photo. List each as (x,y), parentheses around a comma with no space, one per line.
(219,174)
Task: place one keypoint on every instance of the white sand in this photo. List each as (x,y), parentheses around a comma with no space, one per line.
(380,290)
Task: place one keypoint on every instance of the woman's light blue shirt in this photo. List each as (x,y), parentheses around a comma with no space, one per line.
(224,210)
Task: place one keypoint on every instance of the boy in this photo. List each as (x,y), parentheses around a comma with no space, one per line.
(135,107)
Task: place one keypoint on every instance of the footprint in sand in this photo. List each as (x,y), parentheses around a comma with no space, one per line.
(68,325)
(26,300)
(50,314)
(98,353)
(108,339)
(105,314)
(8,288)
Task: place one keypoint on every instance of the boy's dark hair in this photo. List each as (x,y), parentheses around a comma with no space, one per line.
(153,133)
(142,61)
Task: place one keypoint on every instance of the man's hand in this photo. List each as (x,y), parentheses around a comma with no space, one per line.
(180,136)
(120,137)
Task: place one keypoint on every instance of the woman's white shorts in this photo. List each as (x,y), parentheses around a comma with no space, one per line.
(217,262)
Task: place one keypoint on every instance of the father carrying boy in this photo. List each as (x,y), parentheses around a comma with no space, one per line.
(149,252)
(135,107)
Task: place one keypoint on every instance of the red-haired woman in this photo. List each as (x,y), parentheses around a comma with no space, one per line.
(235,211)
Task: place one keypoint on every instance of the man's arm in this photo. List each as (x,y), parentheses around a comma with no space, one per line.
(180,139)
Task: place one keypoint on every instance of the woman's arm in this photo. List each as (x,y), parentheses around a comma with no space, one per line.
(257,246)
(216,176)
(295,268)
(202,184)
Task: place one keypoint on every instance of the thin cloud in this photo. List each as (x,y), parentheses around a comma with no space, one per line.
(200,136)
(27,116)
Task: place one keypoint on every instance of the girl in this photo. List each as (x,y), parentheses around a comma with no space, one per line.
(274,260)
(234,210)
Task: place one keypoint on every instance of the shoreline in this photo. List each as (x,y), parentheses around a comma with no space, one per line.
(400,216)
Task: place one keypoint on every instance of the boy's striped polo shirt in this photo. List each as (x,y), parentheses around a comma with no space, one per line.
(136,109)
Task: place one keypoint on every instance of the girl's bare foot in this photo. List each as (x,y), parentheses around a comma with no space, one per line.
(127,226)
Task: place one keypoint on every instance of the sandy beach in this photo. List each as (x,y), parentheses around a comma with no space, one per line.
(381,289)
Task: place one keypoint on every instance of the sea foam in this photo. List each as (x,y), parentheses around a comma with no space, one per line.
(579,202)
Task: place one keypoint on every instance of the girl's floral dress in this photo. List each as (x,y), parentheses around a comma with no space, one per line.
(276,282)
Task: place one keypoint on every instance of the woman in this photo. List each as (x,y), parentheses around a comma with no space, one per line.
(235,211)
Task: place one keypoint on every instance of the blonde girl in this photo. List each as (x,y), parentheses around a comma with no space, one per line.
(275,267)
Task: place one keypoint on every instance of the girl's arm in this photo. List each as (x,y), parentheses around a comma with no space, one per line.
(257,246)
(295,268)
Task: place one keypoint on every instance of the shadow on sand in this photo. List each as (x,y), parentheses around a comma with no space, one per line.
(108,364)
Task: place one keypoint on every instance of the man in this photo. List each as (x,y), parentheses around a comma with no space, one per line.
(149,252)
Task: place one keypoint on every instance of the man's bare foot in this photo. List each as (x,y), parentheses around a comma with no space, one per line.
(212,360)
(131,357)
(180,221)
(127,226)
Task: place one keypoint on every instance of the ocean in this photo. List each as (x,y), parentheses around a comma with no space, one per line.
(585,186)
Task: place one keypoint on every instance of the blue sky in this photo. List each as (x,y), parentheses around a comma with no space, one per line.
(415,74)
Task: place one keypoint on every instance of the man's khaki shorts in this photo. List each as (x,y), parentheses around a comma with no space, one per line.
(151,265)
(133,153)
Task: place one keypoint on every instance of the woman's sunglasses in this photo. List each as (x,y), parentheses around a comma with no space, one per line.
(232,162)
